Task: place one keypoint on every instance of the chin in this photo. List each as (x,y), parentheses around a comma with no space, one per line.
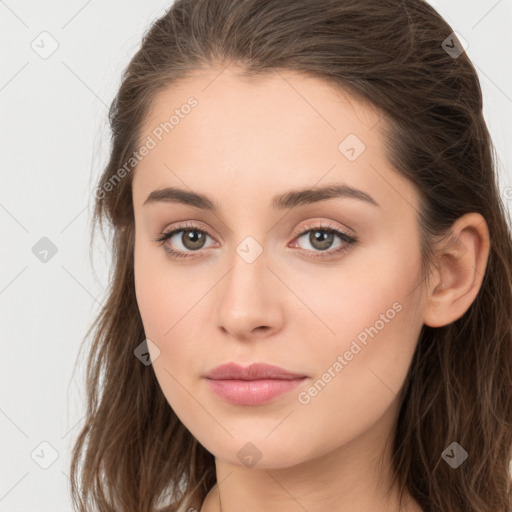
(252,452)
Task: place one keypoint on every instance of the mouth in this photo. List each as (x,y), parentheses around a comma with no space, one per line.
(256,384)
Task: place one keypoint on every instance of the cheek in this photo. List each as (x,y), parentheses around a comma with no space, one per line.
(171,308)
(162,297)
(152,302)
(349,300)
(167,317)
(370,317)
(358,374)
(359,377)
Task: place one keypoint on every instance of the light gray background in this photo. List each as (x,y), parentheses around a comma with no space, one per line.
(55,141)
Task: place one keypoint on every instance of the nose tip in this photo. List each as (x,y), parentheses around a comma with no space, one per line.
(247,303)
(245,333)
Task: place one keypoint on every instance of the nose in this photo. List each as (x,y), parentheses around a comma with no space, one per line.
(248,301)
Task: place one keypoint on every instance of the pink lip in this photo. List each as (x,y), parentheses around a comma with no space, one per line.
(253,385)
(254,371)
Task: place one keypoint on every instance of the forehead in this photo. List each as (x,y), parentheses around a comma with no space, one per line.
(269,102)
(279,131)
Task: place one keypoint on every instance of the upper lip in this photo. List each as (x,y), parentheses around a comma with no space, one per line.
(255,371)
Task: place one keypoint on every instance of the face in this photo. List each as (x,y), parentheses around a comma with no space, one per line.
(326,286)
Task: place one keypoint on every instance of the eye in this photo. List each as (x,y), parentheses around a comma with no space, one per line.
(322,237)
(190,237)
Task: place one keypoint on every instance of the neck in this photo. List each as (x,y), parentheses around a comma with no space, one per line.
(353,478)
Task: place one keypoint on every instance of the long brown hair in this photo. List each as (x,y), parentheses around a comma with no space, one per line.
(133,453)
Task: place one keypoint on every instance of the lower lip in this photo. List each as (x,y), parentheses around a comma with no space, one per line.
(252,392)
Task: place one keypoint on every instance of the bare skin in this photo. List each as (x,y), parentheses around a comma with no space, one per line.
(245,142)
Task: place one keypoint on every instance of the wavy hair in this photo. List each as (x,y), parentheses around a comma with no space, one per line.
(133,454)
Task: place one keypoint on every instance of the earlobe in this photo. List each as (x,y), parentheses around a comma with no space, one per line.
(460,267)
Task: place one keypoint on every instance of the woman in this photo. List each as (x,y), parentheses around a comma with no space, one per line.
(311,298)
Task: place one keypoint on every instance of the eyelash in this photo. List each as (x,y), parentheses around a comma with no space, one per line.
(324,227)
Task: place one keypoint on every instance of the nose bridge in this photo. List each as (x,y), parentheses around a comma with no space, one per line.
(247,299)
(248,263)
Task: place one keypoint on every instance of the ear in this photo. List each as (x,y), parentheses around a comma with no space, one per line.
(460,267)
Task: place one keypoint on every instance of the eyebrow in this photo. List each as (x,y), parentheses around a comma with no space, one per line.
(284,201)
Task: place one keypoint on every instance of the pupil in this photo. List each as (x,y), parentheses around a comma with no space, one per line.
(192,239)
(321,239)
